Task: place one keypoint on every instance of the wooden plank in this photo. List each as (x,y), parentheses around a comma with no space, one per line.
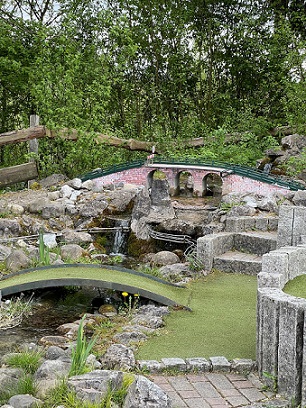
(22,135)
(16,174)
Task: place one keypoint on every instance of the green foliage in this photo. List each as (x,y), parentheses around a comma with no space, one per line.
(27,360)
(81,351)
(296,165)
(44,255)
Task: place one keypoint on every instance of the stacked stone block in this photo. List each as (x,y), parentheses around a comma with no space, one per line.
(281,324)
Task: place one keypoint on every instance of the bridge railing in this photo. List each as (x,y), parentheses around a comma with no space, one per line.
(112,169)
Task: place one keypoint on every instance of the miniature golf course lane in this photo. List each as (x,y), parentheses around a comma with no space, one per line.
(109,277)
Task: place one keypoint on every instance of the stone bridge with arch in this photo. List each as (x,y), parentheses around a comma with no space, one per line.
(200,177)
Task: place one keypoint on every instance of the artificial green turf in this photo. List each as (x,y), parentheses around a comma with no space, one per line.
(296,287)
(222,322)
(177,294)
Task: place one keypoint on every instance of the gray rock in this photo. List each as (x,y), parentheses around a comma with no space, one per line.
(130,338)
(36,206)
(220,363)
(145,394)
(75,237)
(148,320)
(4,252)
(25,401)
(9,227)
(16,209)
(55,353)
(241,210)
(165,258)
(299,198)
(153,310)
(53,210)
(53,180)
(94,386)
(17,260)
(174,363)
(66,191)
(9,377)
(88,185)
(118,356)
(176,271)
(52,370)
(71,252)
(75,183)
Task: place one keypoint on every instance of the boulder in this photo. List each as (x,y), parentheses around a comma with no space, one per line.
(53,210)
(94,386)
(4,252)
(71,252)
(52,370)
(148,320)
(118,356)
(25,401)
(75,183)
(130,338)
(299,198)
(17,260)
(9,378)
(145,394)
(75,237)
(9,227)
(165,258)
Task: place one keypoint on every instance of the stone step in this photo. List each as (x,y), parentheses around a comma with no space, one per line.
(255,242)
(247,223)
(238,262)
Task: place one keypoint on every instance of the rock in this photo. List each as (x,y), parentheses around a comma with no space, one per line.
(53,210)
(16,209)
(17,260)
(65,191)
(9,227)
(152,310)
(241,210)
(9,378)
(36,206)
(299,198)
(88,185)
(4,252)
(25,401)
(52,370)
(130,338)
(145,394)
(53,180)
(75,183)
(165,258)
(148,320)
(176,271)
(59,341)
(118,356)
(75,237)
(68,329)
(55,353)
(94,386)
(71,252)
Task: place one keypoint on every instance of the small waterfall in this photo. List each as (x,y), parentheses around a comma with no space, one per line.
(120,236)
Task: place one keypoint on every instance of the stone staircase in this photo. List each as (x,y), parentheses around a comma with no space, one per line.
(246,254)
(240,248)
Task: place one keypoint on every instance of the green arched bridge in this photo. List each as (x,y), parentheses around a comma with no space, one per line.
(109,277)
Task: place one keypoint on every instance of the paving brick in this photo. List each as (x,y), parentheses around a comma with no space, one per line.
(197,403)
(196,377)
(237,401)
(242,384)
(216,401)
(232,392)
(180,384)
(189,394)
(206,390)
(252,394)
(176,400)
(219,381)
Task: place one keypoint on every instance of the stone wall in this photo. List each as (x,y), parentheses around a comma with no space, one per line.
(291,227)
(281,324)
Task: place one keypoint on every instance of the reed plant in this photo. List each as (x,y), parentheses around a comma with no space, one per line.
(81,351)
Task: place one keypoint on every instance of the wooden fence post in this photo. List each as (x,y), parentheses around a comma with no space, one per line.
(33,143)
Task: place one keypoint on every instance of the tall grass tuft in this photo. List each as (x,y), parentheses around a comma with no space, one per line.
(28,361)
(81,351)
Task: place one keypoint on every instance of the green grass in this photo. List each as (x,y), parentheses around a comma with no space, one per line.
(222,322)
(296,287)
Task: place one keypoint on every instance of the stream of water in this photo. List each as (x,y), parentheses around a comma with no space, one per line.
(50,309)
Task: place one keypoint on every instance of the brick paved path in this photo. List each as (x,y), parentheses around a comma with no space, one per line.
(211,390)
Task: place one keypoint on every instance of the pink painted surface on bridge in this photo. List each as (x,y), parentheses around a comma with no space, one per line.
(232,183)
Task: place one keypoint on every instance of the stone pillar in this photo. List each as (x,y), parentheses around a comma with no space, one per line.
(267,335)
(285,225)
(290,348)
